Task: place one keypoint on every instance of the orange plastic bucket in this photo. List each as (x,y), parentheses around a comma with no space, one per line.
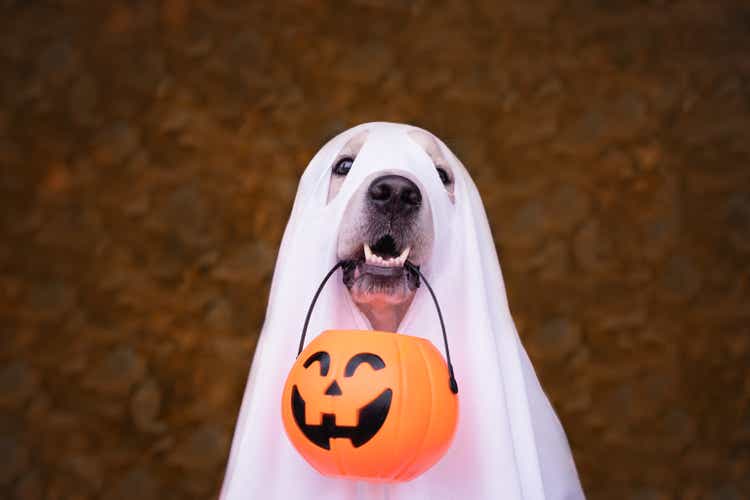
(370,405)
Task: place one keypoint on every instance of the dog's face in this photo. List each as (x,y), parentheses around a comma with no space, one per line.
(387,221)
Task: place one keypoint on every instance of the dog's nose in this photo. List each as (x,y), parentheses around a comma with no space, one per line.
(394,194)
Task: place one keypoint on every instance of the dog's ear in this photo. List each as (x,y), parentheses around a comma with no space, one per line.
(344,162)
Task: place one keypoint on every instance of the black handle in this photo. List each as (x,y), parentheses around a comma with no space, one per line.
(344,263)
(452,378)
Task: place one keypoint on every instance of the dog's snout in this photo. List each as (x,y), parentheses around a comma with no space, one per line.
(395,194)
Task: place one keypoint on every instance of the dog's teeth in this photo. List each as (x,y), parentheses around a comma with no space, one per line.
(377,260)
(401,259)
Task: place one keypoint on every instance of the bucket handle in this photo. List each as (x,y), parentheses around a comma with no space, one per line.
(344,263)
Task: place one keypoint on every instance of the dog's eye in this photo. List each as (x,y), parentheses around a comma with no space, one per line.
(444,177)
(343,166)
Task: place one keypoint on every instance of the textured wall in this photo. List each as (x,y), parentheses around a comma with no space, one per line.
(149,154)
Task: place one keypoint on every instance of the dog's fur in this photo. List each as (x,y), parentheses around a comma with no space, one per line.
(384,300)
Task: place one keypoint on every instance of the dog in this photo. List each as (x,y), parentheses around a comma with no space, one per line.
(390,205)
(387,221)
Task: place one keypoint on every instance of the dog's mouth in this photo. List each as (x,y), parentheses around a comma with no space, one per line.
(378,272)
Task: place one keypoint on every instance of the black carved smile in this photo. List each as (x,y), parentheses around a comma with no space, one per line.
(371,419)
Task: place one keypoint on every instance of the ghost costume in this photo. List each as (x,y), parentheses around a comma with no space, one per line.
(509,443)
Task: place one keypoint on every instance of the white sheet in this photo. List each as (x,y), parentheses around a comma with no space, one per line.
(509,443)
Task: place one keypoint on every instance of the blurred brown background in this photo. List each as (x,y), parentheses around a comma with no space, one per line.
(149,155)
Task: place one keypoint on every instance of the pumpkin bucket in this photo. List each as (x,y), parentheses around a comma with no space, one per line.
(370,405)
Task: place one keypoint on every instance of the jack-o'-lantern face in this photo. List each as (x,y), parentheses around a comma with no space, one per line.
(371,405)
(371,414)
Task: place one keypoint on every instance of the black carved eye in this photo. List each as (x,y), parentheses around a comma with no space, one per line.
(343,165)
(444,177)
(323,358)
(375,361)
